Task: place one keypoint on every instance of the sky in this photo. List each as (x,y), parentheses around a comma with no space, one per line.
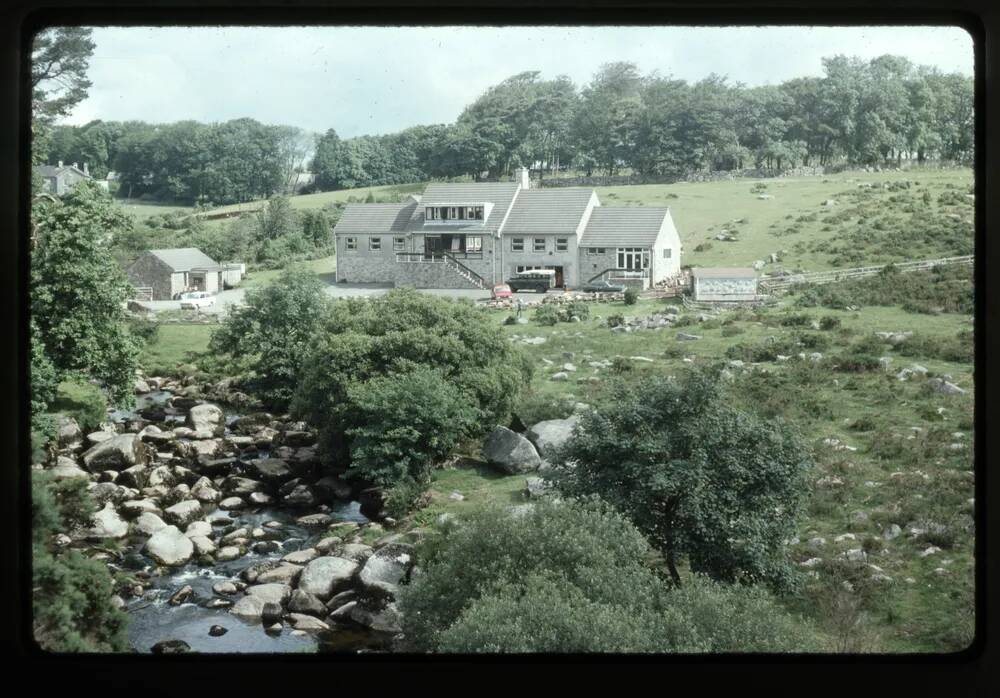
(374,80)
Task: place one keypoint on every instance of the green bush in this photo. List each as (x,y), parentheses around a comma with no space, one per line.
(71,607)
(959,348)
(796,320)
(546,314)
(83,402)
(622,365)
(829,322)
(536,408)
(269,334)
(631,296)
(580,309)
(359,340)
(404,424)
(731,330)
(616,320)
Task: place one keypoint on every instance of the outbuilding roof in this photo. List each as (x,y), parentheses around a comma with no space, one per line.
(634,226)
(184,258)
(724,272)
(375,218)
(548,211)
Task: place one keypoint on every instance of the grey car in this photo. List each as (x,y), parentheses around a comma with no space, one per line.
(602,286)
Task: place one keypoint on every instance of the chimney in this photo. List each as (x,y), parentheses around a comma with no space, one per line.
(85,170)
(76,166)
(521,177)
(60,163)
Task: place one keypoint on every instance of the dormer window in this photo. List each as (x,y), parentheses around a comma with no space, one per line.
(456,214)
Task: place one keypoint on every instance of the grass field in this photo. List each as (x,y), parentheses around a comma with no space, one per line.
(144,209)
(325,268)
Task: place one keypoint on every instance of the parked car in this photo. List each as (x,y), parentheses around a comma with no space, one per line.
(540,280)
(602,286)
(196,299)
(501,291)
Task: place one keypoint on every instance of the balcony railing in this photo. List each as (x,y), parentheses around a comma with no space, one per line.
(435,256)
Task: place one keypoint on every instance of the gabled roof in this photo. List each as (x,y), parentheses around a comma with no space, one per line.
(724,272)
(634,226)
(548,211)
(375,218)
(55,170)
(500,194)
(184,258)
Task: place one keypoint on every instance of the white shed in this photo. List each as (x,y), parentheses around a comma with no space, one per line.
(724,284)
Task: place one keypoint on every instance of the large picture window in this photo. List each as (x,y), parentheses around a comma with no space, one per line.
(633,258)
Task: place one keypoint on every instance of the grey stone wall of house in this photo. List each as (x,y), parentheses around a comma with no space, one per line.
(65,182)
(593,264)
(723,289)
(551,257)
(430,275)
(149,271)
(364,265)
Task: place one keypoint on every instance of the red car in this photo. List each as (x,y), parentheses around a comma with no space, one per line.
(500,291)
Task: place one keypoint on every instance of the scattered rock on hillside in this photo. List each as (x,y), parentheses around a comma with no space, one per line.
(510,451)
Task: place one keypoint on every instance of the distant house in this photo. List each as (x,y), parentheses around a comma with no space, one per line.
(473,235)
(161,275)
(724,284)
(60,179)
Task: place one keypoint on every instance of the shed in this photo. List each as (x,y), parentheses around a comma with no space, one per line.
(164,274)
(724,284)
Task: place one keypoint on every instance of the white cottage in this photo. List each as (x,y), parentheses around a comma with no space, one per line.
(724,284)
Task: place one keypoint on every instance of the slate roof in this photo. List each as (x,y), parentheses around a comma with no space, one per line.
(623,226)
(724,272)
(54,170)
(375,218)
(184,258)
(500,194)
(548,211)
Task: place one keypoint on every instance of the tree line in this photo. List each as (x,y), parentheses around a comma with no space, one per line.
(859,113)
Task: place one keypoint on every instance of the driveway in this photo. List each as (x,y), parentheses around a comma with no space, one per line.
(234,297)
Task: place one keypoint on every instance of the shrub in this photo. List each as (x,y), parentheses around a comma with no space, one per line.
(510,320)
(83,402)
(731,330)
(405,423)
(577,308)
(359,340)
(270,334)
(615,320)
(959,348)
(701,475)
(829,322)
(703,247)
(796,320)
(539,408)
(71,608)
(631,296)
(621,365)
(546,314)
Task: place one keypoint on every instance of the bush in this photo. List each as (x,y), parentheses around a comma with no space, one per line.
(580,309)
(71,607)
(539,408)
(359,340)
(570,577)
(959,348)
(621,365)
(405,423)
(796,320)
(270,334)
(631,296)
(703,247)
(83,402)
(731,330)
(546,314)
(829,322)
(510,320)
(616,320)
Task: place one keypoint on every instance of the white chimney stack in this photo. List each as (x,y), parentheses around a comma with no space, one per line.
(60,163)
(76,166)
(85,170)
(521,177)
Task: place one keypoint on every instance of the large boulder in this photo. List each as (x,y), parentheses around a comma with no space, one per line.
(333,488)
(273,471)
(118,453)
(325,576)
(550,435)
(237,486)
(304,602)
(387,568)
(169,546)
(108,524)
(271,593)
(66,469)
(386,619)
(248,607)
(69,433)
(149,523)
(183,513)
(510,451)
(206,417)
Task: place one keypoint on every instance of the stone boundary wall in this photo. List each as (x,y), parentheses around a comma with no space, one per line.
(625,180)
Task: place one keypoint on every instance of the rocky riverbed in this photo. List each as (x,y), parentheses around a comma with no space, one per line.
(224,534)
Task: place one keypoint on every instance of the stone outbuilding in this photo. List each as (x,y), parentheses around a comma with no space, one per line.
(61,179)
(724,284)
(164,274)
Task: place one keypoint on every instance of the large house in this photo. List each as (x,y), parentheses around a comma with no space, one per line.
(473,235)
(60,179)
(161,275)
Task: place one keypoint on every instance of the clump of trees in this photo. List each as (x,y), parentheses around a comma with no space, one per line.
(701,478)
(392,383)
(572,576)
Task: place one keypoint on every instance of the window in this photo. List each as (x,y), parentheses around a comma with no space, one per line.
(432,214)
(351,243)
(517,244)
(473,243)
(562,244)
(538,245)
(666,253)
(479,213)
(453,212)
(633,258)
(398,244)
(374,243)
(595,250)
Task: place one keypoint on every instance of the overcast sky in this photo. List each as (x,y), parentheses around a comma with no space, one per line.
(375,80)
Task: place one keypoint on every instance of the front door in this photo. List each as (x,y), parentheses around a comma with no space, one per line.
(432,246)
(559,276)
